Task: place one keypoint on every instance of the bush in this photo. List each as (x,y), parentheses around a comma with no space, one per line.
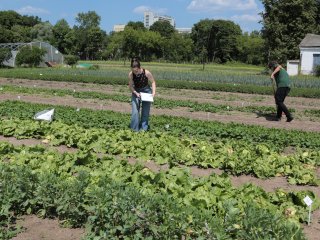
(30,56)
(71,59)
(94,67)
(317,70)
(5,55)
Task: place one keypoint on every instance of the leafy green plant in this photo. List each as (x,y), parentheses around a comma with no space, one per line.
(94,67)
(114,199)
(210,131)
(236,157)
(30,56)
(71,59)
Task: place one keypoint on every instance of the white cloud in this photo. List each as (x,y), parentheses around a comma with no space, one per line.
(142,9)
(214,5)
(32,10)
(246,18)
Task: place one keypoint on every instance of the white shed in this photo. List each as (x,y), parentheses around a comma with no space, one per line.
(293,67)
(309,53)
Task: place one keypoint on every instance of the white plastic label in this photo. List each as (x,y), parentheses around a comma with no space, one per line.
(308,200)
(44,115)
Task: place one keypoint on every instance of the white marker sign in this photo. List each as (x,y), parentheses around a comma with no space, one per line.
(46,115)
(308,201)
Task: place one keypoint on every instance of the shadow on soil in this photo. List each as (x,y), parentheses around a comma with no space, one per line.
(268,116)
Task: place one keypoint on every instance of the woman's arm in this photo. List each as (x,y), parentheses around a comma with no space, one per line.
(131,85)
(153,82)
(277,69)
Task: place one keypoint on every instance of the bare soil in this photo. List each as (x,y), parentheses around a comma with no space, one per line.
(34,225)
(46,229)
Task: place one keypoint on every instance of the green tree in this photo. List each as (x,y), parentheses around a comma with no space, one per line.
(178,48)
(42,32)
(114,48)
(223,40)
(130,42)
(149,45)
(30,56)
(94,45)
(136,25)
(216,39)
(163,27)
(88,20)
(285,24)
(10,18)
(5,54)
(88,36)
(71,42)
(16,28)
(250,48)
(71,60)
(131,45)
(200,35)
(21,33)
(60,31)
(6,35)
(30,21)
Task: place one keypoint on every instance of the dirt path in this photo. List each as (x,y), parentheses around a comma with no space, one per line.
(46,229)
(218,98)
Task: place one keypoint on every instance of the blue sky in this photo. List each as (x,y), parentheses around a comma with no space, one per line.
(185,12)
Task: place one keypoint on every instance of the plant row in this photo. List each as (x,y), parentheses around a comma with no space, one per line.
(113,199)
(177,126)
(234,156)
(217,74)
(310,92)
(159,103)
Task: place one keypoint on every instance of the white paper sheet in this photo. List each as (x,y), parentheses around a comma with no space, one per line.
(46,115)
(146,97)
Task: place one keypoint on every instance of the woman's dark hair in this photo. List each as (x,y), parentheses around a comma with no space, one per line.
(272,64)
(135,62)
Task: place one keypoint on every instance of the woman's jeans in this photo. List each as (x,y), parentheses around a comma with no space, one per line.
(136,102)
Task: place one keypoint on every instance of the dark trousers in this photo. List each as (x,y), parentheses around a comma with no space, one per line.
(280,95)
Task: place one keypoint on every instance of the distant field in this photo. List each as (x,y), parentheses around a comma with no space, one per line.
(209,152)
(232,73)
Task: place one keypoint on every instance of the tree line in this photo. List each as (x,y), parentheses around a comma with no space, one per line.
(285,23)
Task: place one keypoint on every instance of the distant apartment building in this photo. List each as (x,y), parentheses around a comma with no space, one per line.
(184,30)
(150,18)
(119,27)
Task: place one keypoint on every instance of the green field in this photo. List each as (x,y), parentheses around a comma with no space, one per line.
(94,186)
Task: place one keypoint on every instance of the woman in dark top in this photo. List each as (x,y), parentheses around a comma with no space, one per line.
(280,75)
(139,79)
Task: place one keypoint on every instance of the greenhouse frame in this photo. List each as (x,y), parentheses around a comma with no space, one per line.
(52,56)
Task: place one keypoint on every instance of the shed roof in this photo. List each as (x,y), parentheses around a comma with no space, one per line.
(310,40)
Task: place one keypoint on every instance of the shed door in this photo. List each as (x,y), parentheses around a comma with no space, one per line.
(316,60)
